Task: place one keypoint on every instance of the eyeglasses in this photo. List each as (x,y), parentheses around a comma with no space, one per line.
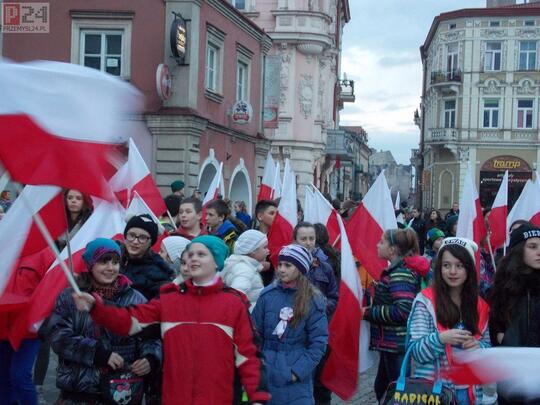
(130,237)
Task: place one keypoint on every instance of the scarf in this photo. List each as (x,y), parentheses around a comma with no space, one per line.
(106,292)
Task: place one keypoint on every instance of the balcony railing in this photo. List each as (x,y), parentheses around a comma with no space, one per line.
(453,76)
(346,91)
(340,144)
(443,135)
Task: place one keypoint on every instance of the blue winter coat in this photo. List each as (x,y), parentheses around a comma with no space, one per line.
(322,276)
(298,351)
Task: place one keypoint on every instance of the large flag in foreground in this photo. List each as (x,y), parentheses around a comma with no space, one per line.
(135,177)
(267,184)
(340,373)
(286,218)
(60,122)
(497,215)
(107,221)
(367,224)
(471,221)
(517,367)
(17,226)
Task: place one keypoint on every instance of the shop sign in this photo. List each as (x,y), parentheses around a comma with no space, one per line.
(178,38)
(163,81)
(503,163)
(241,112)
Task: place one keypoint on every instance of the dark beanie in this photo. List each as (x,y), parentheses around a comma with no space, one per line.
(177,185)
(523,233)
(145,222)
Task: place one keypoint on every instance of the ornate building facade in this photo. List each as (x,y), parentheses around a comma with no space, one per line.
(302,89)
(480,102)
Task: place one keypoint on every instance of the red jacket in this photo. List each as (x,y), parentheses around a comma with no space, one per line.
(206,331)
(17,294)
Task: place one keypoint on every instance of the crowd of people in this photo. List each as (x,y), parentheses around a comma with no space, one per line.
(211,320)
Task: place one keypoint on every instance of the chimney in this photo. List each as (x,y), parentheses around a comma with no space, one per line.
(499,3)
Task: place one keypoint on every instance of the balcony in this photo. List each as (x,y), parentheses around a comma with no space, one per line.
(339,144)
(346,91)
(442,135)
(446,80)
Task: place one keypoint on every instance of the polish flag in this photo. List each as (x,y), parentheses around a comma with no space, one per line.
(276,188)
(107,221)
(321,211)
(66,119)
(138,206)
(340,373)
(400,217)
(212,193)
(516,367)
(471,221)
(265,191)
(281,231)
(527,206)
(497,215)
(18,225)
(135,177)
(374,215)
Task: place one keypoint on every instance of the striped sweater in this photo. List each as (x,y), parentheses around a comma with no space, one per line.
(427,348)
(392,302)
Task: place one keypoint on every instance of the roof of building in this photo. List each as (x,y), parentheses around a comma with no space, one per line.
(516,10)
(382,157)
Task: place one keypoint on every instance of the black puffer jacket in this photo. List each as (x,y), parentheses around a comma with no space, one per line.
(83,347)
(147,274)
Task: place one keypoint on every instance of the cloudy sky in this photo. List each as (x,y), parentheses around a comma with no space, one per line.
(381,54)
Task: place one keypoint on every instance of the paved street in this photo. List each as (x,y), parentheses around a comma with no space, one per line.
(364,395)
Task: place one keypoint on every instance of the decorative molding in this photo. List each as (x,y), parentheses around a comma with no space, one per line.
(491,87)
(463,153)
(215,32)
(230,12)
(310,48)
(528,33)
(244,51)
(526,87)
(452,36)
(494,33)
(209,94)
(286,58)
(305,94)
(103,14)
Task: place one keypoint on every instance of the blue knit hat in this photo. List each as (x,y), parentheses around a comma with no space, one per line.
(216,246)
(296,255)
(98,248)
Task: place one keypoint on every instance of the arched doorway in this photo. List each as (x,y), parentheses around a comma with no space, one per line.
(209,168)
(240,187)
(491,175)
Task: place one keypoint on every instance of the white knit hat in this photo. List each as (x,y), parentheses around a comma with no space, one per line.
(175,246)
(249,241)
(467,244)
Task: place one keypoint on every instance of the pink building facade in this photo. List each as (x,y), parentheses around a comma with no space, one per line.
(188,113)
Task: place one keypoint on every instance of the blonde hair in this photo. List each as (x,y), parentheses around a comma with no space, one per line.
(305,293)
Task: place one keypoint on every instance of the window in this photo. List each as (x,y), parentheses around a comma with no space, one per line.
(103,44)
(242,80)
(494,23)
(491,113)
(450,113)
(525,114)
(239,4)
(529,23)
(212,67)
(493,56)
(452,26)
(102,51)
(527,55)
(452,59)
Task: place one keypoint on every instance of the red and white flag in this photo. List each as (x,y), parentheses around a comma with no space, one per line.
(267,184)
(340,373)
(317,209)
(497,215)
(67,120)
(134,176)
(516,366)
(276,188)
(374,215)
(281,231)
(107,221)
(400,218)
(17,226)
(212,193)
(527,206)
(471,221)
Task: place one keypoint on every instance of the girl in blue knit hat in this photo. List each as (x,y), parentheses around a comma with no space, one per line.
(291,320)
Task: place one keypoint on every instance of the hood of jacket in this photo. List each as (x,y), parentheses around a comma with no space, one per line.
(234,260)
(419,264)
